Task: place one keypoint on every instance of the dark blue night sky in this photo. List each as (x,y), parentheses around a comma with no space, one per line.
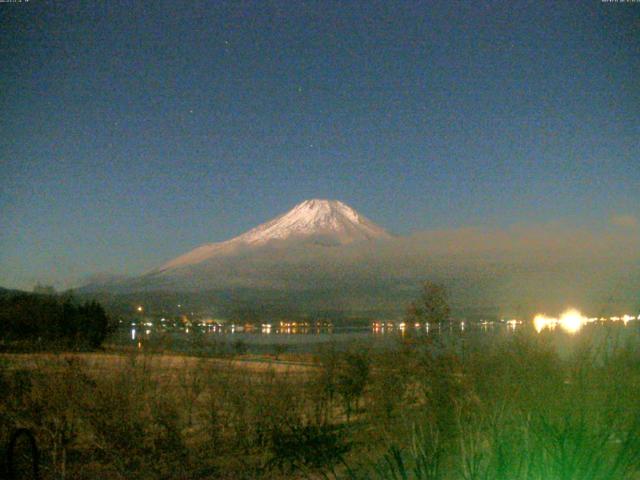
(134,131)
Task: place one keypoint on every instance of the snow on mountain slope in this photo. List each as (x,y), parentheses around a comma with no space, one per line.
(329,220)
(314,217)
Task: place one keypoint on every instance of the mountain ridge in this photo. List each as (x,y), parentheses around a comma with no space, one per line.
(331,222)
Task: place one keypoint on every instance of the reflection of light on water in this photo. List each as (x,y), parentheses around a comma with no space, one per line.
(541,321)
(403,328)
(512,324)
(572,321)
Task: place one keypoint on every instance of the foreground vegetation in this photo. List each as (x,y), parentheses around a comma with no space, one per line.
(484,407)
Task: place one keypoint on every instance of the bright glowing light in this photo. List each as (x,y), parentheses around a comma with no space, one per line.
(139,308)
(541,321)
(572,320)
(133,334)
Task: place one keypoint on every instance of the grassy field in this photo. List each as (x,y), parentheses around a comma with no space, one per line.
(165,362)
(499,407)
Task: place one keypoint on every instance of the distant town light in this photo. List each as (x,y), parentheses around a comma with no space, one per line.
(572,320)
(541,321)
(627,318)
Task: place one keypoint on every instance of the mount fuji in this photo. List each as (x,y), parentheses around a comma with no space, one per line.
(321,222)
(318,244)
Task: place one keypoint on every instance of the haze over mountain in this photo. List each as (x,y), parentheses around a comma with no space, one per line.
(323,254)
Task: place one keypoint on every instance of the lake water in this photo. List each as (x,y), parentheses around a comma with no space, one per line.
(608,334)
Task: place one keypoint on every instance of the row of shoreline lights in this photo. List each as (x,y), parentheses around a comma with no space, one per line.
(572,320)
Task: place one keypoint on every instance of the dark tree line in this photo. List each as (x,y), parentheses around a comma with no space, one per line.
(49,321)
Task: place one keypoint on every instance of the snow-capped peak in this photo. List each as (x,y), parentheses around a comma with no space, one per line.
(327,219)
(316,217)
